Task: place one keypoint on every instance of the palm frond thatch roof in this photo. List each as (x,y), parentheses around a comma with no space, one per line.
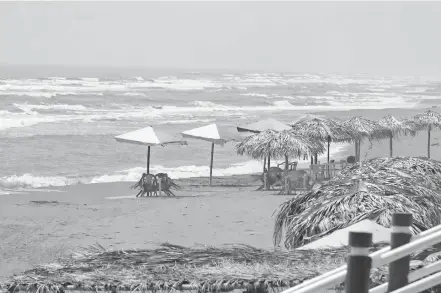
(366,128)
(322,128)
(278,144)
(389,185)
(396,126)
(171,267)
(426,119)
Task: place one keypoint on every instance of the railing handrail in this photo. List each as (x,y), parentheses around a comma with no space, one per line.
(379,258)
(413,276)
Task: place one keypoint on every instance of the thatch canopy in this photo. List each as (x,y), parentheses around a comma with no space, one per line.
(396,126)
(428,120)
(411,185)
(366,128)
(171,267)
(278,145)
(324,128)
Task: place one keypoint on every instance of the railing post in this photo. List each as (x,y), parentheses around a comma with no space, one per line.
(401,235)
(359,263)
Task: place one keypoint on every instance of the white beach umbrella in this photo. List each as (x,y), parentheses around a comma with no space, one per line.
(149,137)
(263,125)
(215,134)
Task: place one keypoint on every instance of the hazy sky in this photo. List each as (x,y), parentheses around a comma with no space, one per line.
(342,37)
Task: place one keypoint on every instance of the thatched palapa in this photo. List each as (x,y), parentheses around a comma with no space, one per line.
(283,144)
(171,267)
(278,145)
(262,125)
(365,128)
(410,185)
(324,129)
(396,127)
(428,120)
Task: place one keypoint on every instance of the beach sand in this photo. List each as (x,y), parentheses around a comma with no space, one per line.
(32,232)
(232,211)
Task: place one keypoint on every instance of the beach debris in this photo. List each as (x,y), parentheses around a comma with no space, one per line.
(44,202)
(200,268)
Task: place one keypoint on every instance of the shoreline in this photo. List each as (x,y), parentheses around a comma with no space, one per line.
(379,148)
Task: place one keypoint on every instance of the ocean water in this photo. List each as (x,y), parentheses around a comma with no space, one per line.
(57,127)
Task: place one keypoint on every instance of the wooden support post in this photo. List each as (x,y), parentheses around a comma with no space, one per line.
(265,179)
(428,142)
(359,263)
(211,162)
(159,186)
(287,186)
(401,235)
(390,145)
(306,182)
(267,186)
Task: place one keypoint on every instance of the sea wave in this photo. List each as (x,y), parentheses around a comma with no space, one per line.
(133,174)
(29,107)
(33,114)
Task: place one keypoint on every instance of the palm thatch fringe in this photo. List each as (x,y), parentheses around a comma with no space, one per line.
(202,269)
(388,185)
(396,127)
(278,144)
(325,129)
(365,128)
(428,120)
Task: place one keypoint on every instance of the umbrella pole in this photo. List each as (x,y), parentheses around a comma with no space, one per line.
(287,185)
(269,165)
(329,145)
(148,164)
(211,161)
(264,164)
(428,142)
(390,145)
(148,160)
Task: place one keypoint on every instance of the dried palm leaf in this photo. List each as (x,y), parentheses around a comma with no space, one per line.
(410,185)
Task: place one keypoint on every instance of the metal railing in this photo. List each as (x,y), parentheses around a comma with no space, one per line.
(414,281)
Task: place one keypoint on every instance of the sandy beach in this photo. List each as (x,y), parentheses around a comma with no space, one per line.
(32,232)
(41,226)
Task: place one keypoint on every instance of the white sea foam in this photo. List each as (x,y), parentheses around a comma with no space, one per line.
(29,118)
(133,174)
(254,95)
(29,107)
(134,94)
